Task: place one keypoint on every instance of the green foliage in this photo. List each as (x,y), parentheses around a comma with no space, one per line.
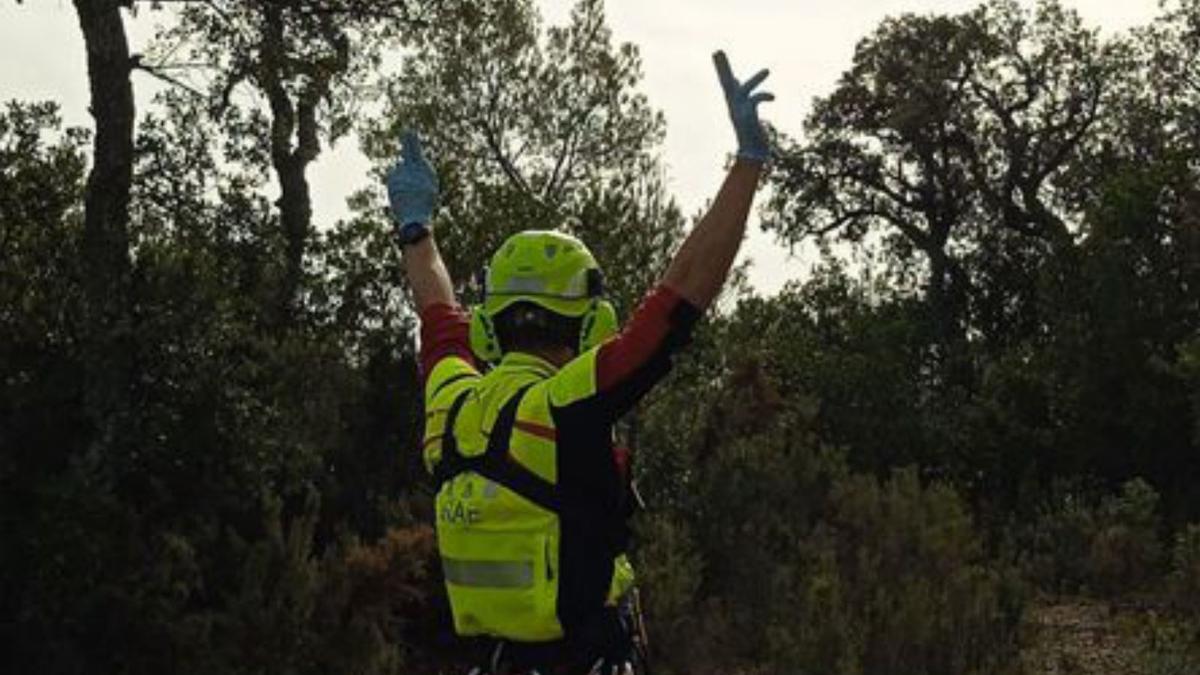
(833,473)
(805,567)
(534,127)
(670,572)
(1110,546)
(1126,551)
(1169,647)
(1184,580)
(1040,178)
(351,609)
(942,608)
(1059,540)
(129,559)
(1190,364)
(41,185)
(945,139)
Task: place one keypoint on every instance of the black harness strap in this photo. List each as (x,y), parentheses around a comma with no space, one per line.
(451,463)
(495,463)
(451,380)
(499,466)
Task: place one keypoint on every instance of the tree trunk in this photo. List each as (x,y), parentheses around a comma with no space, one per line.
(295,134)
(947,299)
(106,256)
(295,215)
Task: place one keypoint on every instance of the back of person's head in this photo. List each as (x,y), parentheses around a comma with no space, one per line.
(542,292)
(526,327)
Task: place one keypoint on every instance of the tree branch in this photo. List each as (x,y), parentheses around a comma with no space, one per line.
(155,71)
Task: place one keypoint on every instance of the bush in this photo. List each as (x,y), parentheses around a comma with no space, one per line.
(1168,647)
(1125,551)
(1171,643)
(1184,580)
(1055,546)
(670,573)
(1079,543)
(1189,366)
(782,561)
(915,592)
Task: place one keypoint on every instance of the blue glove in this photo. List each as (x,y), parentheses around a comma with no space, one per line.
(743,109)
(412,185)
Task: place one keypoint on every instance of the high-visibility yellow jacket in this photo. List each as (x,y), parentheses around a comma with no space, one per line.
(532,500)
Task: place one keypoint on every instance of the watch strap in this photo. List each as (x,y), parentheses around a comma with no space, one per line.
(411,233)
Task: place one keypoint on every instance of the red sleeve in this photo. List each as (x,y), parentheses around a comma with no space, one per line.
(660,325)
(626,368)
(444,332)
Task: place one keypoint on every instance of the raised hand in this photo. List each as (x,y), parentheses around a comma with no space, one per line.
(412,184)
(743,109)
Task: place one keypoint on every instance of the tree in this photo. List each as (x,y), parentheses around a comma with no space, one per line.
(534,129)
(245,451)
(1116,319)
(105,249)
(308,60)
(1045,178)
(950,130)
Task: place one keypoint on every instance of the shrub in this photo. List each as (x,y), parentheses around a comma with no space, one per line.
(1055,546)
(785,562)
(377,602)
(1184,580)
(669,573)
(1189,366)
(357,607)
(1080,543)
(914,580)
(1125,551)
(1168,647)
(1171,643)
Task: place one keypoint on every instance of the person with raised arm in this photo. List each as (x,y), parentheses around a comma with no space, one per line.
(533,499)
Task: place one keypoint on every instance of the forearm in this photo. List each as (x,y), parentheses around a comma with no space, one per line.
(701,265)
(427,275)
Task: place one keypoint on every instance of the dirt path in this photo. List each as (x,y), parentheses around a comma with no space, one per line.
(1080,637)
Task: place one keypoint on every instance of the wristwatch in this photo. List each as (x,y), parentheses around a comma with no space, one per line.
(411,233)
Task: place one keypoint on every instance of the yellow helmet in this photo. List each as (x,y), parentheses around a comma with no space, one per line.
(549,269)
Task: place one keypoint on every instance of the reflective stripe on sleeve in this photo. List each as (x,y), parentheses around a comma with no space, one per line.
(488,573)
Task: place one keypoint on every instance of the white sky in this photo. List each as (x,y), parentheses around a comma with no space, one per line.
(806,45)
